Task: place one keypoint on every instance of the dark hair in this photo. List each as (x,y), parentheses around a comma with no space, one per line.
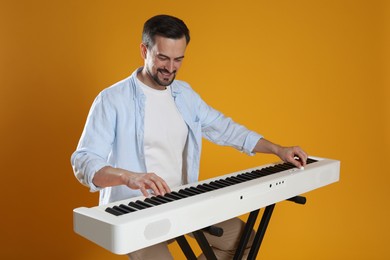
(166,26)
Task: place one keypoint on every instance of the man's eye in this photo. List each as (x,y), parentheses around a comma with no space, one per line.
(162,58)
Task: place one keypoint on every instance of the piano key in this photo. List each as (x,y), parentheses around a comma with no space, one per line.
(220,183)
(120,209)
(266,171)
(234,179)
(274,169)
(228,183)
(282,167)
(161,198)
(127,208)
(251,175)
(113,211)
(137,206)
(310,160)
(240,178)
(143,203)
(211,187)
(260,173)
(179,195)
(231,182)
(203,188)
(214,185)
(290,165)
(245,177)
(195,190)
(172,196)
(154,201)
(187,192)
(165,198)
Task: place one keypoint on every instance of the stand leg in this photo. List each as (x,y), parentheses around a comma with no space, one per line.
(186,248)
(261,232)
(204,245)
(209,253)
(246,234)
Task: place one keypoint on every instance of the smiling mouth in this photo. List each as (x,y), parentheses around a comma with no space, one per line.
(166,73)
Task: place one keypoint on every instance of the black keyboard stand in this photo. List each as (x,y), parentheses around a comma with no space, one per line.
(207,250)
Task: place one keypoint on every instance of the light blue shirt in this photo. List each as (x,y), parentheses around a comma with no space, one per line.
(114,132)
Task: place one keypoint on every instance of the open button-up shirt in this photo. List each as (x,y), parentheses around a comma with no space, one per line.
(114,132)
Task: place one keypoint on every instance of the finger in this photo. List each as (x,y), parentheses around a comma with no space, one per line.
(165,187)
(295,162)
(144,191)
(154,187)
(302,156)
(162,186)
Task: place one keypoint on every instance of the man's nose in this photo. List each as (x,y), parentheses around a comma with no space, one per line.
(170,66)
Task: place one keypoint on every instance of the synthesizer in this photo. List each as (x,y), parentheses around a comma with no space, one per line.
(129,225)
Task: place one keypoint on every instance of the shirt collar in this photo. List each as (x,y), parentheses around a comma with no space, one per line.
(175,88)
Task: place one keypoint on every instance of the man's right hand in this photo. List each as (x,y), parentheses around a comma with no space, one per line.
(145,182)
(110,176)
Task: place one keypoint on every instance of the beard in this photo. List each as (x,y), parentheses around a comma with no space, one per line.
(166,81)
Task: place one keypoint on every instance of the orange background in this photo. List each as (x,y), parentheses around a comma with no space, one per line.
(313,73)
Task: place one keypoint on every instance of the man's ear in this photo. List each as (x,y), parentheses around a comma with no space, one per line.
(144,50)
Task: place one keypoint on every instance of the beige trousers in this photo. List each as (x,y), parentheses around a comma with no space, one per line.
(224,247)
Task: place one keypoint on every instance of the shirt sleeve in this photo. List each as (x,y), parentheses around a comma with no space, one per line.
(95,143)
(223,130)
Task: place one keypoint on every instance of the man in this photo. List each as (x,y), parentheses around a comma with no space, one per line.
(143,134)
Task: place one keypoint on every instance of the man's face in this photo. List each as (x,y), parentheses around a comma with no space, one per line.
(163,60)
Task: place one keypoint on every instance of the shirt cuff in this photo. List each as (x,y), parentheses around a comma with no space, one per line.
(250,143)
(92,186)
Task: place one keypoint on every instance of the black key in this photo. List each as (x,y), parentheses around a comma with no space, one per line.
(253,175)
(226,182)
(160,199)
(165,198)
(229,181)
(285,166)
(221,183)
(241,178)
(153,201)
(290,165)
(172,196)
(310,160)
(203,188)
(209,186)
(266,171)
(274,169)
(258,172)
(234,179)
(178,194)
(187,192)
(137,206)
(120,209)
(142,203)
(214,185)
(114,212)
(127,208)
(195,190)
(281,167)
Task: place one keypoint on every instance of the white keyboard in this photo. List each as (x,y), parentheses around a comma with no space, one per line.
(123,227)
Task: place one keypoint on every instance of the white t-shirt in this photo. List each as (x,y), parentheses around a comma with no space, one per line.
(165,136)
